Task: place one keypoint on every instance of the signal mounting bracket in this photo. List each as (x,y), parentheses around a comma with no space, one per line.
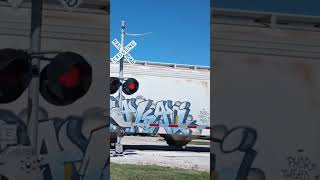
(35,71)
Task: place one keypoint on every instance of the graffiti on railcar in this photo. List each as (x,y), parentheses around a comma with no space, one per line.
(65,145)
(141,110)
(234,153)
(300,167)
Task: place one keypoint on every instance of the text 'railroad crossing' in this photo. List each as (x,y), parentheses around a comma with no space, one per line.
(123,52)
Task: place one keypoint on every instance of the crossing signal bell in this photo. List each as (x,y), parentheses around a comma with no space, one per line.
(129,87)
(64,80)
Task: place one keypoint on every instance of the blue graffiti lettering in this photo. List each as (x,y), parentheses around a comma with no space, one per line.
(140,110)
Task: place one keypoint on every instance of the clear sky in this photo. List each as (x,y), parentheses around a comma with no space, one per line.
(302,7)
(180,29)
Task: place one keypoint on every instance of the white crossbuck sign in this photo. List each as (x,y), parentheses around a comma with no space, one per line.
(123,52)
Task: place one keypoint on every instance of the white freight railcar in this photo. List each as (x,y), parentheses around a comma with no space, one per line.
(266,77)
(167,94)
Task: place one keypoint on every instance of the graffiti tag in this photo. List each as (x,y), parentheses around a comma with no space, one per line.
(140,110)
(300,167)
(63,144)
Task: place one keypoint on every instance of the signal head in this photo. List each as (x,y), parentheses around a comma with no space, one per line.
(66,79)
(114,84)
(15,74)
(130,86)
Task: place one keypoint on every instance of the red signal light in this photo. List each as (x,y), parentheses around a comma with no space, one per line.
(71,78)
(130,86)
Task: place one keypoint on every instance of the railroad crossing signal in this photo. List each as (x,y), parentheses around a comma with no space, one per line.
(66,79)
(129,87)
(63,81)
(123,52)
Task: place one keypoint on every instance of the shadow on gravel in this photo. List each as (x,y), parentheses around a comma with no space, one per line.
(165,148)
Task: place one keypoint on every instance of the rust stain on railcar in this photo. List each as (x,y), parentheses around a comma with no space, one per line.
(303,71)
(204,84)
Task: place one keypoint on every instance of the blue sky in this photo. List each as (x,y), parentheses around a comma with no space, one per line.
(302,7)
(180,29)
